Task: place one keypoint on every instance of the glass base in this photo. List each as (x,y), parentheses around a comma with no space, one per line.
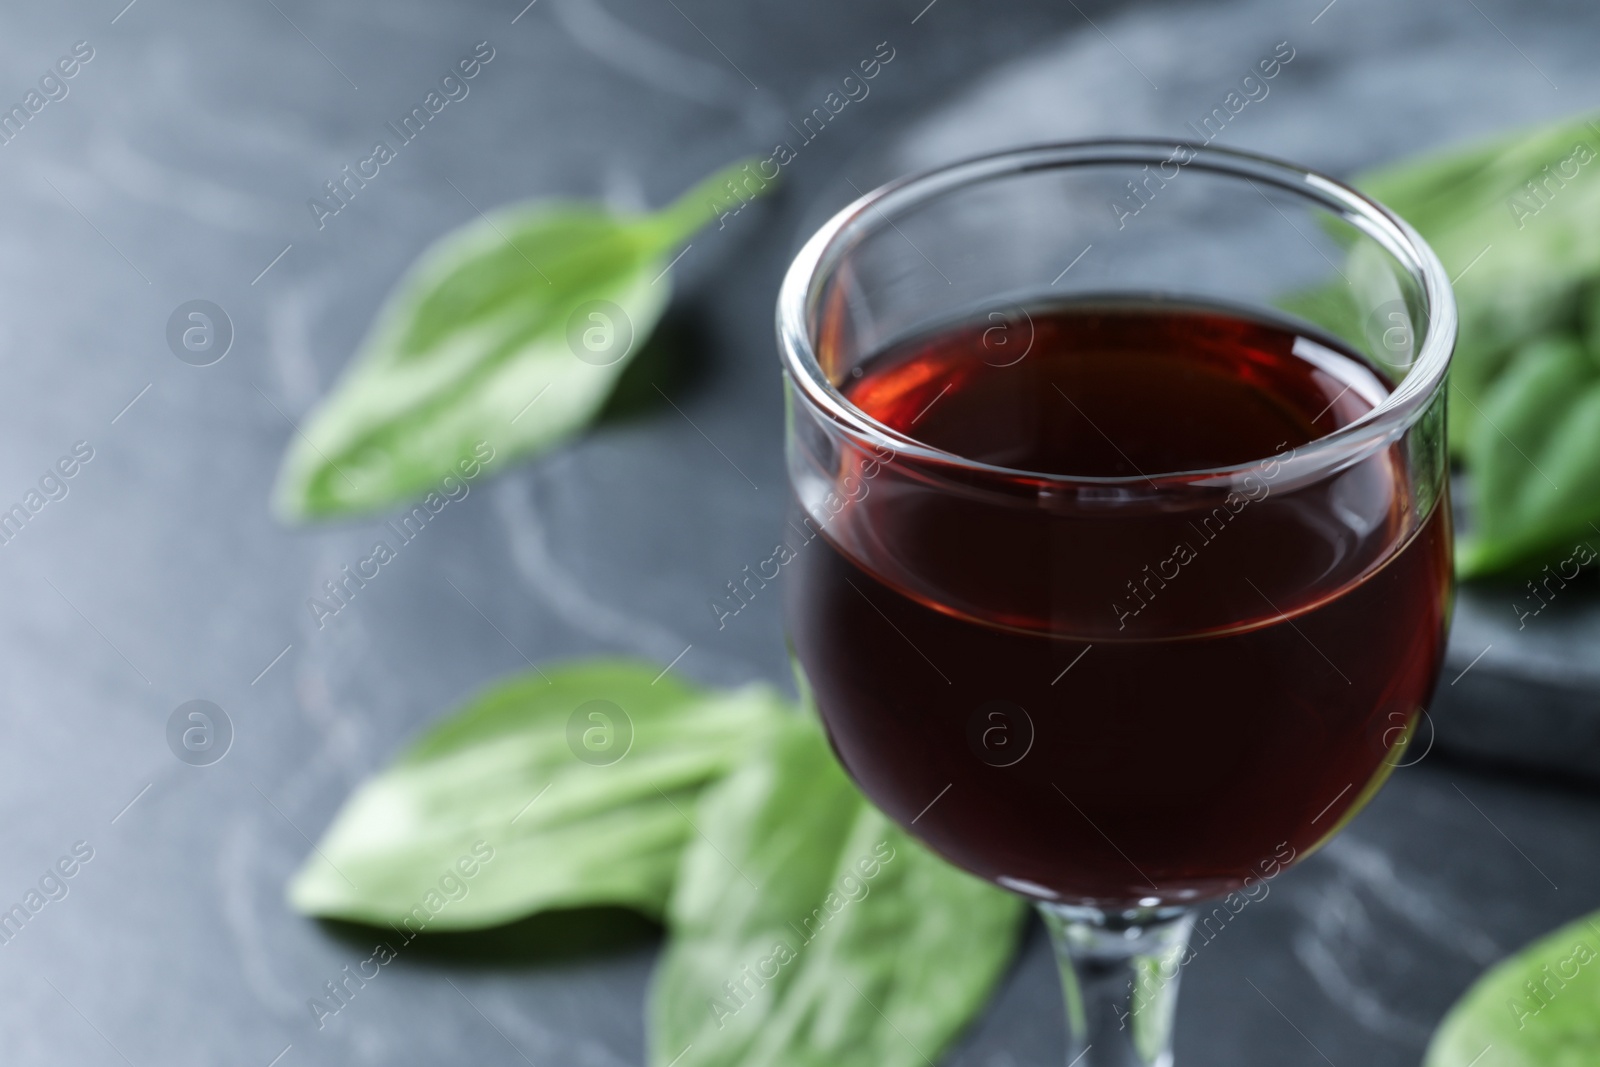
(1119,976)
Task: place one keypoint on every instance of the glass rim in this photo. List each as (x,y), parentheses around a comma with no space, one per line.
(1385,422)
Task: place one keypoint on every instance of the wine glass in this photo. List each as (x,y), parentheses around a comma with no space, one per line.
(1126,570)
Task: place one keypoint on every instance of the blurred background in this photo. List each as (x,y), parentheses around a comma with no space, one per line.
(177,165)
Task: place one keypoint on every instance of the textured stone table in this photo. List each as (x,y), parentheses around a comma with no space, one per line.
(175,165)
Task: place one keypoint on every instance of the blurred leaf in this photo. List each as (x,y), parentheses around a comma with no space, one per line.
(1520,262)
(1536,459)
(807,929)
(1540,1008)
(504,338)
(503,774)
(1516,223)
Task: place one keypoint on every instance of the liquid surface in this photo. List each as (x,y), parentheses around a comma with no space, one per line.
(1108,705)
(1116,391)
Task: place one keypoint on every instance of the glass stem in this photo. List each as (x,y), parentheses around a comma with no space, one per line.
(1119,974)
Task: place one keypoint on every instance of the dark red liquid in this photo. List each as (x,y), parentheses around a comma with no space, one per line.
(1114,692)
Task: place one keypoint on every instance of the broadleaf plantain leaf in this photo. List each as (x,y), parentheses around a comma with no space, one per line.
(505,338)
(576,782)
(810,931)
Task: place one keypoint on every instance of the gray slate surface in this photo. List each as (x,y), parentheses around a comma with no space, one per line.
(178,168)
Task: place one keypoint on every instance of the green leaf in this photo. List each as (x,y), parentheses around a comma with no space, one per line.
(504,771)
(1535,459)
(1516,222)
(1522,258)
(505,338)
(807,929)
(1540,1008)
